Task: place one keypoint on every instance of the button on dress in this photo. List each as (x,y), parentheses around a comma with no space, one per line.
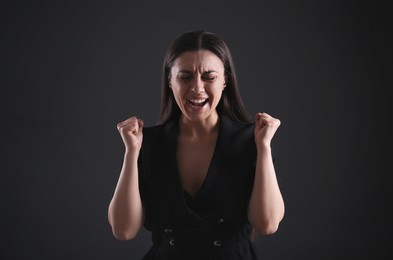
(214,223)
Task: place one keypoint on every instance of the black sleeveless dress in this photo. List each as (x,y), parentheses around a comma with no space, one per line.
(214,224)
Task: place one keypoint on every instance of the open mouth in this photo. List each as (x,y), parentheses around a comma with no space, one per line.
(197,102)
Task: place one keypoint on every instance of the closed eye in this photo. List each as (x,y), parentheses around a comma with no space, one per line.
(209,78)
(184,77)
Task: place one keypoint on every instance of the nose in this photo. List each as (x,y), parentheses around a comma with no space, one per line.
(198,86)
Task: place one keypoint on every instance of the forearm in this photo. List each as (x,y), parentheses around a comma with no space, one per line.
(125,211)
(266,206)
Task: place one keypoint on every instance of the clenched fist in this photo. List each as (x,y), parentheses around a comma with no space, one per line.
(131,133)
(265,128)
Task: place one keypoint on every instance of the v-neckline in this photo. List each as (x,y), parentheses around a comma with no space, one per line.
(208,172)
(224,129)
(205,179)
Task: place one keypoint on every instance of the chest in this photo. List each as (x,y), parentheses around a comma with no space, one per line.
(194,159)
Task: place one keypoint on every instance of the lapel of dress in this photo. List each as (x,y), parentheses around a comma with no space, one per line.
(172,183)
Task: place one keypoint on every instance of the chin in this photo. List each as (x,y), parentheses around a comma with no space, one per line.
(198,117)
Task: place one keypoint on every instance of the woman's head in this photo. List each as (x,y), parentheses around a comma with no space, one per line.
(198,67)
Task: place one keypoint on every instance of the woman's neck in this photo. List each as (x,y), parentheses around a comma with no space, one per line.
(198,129)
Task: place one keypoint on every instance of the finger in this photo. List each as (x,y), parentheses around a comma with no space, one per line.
(130,126)
(128,129)
(257,116)
(121,125)
(261,119)
(274,122)
(266,115)
(268,119)
(263,115)
(124,125)
(131,121)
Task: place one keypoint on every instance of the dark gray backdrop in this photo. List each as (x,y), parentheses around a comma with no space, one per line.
(71,72)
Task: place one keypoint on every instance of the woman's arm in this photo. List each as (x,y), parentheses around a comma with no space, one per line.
(125,213)
(266,206)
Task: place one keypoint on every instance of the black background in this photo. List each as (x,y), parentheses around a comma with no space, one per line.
(72,71)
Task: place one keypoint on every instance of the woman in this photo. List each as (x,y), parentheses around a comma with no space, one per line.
(203,179)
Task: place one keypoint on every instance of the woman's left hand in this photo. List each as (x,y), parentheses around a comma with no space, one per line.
(265,128)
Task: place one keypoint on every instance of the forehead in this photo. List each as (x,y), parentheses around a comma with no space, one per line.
(201,60)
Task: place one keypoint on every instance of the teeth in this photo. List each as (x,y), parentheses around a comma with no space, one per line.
(197,101)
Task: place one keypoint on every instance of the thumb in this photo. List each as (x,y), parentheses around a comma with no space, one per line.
(140,124)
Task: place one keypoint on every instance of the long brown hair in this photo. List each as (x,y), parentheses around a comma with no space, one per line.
(230,104)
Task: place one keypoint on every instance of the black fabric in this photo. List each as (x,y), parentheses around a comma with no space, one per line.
(219,210)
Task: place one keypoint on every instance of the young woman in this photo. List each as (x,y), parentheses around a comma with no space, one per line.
(202,180)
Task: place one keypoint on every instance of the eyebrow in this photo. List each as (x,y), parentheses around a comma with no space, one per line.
(188,71)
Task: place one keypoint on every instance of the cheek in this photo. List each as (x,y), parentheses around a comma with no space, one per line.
(178,92)
(216,92)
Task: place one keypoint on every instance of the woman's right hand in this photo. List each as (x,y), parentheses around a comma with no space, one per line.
(131,133)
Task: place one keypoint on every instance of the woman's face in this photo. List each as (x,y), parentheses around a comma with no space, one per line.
(197,81)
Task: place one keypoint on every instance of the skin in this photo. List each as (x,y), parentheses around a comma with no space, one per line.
(266,206)
(196,76)
(125,213)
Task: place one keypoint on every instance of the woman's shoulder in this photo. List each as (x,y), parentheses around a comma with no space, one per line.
(153,133)
(153,130)
(239,137)
(237,127)
(157,134)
